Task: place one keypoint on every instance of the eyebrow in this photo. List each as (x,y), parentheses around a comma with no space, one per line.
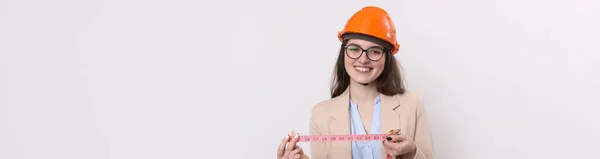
(376,46)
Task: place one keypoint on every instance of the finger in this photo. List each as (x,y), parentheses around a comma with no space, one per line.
(394,132)
(390,148)
(292,143)
(294,153)
(396,138)
(281,148)
(300,151)
(297,156)
(388,144)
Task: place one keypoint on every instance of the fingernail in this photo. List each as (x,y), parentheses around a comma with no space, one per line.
(389,138)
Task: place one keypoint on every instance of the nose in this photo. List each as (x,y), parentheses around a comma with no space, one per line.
(363,59)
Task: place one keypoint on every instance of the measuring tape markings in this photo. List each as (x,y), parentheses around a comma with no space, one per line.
(340,138)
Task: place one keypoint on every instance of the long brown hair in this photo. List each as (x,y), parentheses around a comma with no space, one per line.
(388,83)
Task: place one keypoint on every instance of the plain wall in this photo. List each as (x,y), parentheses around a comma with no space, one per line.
(125,79)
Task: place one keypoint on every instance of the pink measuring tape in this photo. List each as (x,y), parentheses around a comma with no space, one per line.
(342,138)
(338,138)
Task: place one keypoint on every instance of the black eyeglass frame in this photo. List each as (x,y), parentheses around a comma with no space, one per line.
(362,51)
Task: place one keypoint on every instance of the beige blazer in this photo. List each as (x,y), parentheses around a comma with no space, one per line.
(405,112)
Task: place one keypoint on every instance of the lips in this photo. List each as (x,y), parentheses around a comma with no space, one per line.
(363,69)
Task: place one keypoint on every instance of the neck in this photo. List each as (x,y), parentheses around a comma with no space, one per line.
(363,94)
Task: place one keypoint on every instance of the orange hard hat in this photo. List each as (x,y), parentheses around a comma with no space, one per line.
(375,22)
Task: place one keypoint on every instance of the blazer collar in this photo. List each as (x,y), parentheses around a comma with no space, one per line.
(341,108)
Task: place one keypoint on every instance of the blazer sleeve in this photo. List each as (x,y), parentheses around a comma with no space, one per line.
(318,150)
(422,138)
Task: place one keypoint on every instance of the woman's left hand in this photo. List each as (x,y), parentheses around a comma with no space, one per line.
(397,145)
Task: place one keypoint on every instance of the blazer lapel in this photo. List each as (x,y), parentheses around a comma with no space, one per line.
(390,116)
(340,125)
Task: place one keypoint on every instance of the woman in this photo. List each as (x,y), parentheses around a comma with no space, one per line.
(367,97)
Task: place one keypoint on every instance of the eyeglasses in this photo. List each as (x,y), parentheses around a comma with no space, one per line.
(373,53)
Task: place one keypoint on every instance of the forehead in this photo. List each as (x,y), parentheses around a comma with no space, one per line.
(363,43)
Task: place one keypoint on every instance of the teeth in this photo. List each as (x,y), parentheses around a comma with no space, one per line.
(362,69)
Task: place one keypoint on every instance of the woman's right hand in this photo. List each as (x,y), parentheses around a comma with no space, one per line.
(289,150)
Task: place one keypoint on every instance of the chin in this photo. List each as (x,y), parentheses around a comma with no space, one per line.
(364,81)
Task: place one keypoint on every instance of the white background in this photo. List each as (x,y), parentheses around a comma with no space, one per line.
(125,79)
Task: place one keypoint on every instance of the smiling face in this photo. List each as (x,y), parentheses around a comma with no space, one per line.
(364,60)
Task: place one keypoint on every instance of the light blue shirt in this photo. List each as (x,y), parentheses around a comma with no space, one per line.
(365,149)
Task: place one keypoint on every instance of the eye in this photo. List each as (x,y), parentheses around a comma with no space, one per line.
(353,48)
(376,51)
